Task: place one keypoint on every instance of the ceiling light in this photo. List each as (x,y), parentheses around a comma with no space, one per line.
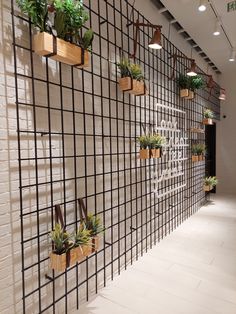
(222,94)
(202,5)
(192,71)
(217,28)
(232,56)
(155,43)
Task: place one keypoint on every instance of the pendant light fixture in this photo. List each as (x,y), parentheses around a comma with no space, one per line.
(192,71)
(155,43)
(232,55)
(217,28)
(202,5)
(222,94)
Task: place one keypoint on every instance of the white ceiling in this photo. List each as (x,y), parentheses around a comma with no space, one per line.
(200,26)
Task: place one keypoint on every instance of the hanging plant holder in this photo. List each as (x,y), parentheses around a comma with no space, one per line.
(207,121)
(208,188)
(131,86)
(195,158)
(156,153)
(60,50)
(144,154)
(63,261)
(184,93)
(191,95)
(201,157)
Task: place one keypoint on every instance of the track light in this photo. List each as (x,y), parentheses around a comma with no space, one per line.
(222,94)
(155,43)
(192,71)
(232,56)
(202,5)
(217,28)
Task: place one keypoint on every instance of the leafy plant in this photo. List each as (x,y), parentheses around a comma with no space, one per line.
(183,81)
(82,236)
(198,149)
(157,141)
(196,82)
(144,141)
(211,181)
(208,114)
(60,239)
(37,11)
(128,69)
(86,41)
(93,225)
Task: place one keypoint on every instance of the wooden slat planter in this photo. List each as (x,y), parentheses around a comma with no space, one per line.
(184,93)
(59,262)
(45,44)
(195,158)
(207,121)
(92,247)
(191,95)
(127,84)
(201,158)
(144,154)
(208,188)
(156,153)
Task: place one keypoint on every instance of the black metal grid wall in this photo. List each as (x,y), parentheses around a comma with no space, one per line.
(76,138)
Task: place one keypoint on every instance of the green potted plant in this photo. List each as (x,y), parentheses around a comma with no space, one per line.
(94,226)
(201,150)
(195,153)
(62,255)
(144,142)
(210,183)
(82,239)
(156,143)
(132,78)
(195,82)
(61,39)
(183,83)
(208,116)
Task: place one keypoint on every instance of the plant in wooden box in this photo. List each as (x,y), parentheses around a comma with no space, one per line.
(63,255)
(183,83)
(201,150)
(59,23)
(195,153)
(156,143)
(94,226)
(132,78)
(144,142)
(195,82)
(210,183)
(82,242)
(208,116)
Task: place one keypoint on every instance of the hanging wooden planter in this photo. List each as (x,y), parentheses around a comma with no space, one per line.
(207,121)
(129,85)
(63,261)
(47,45)
(80,252)
(144,154)
(195,158)
(92,247)
(208,188)
(191,95)
(156,153)
(201,158)
(184,93)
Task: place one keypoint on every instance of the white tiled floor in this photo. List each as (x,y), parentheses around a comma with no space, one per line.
(192,271)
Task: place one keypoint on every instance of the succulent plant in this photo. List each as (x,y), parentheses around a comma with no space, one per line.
(157,141)
(82,236)
(93,225)
(208,114)
(211,181)
(144,141)
(128,69)
(61,239)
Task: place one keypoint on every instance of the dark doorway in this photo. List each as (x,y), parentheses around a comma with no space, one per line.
(211,151)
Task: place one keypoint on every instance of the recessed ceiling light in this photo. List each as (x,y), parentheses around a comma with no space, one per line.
(202,5)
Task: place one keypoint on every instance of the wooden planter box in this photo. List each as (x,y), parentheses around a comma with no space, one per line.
(92,247)
(65,52)
(208,188)
(144,154)
(156,153)
(191,95)
(201,157)
(184,93)
(207,121)
(59,262)
(195,158)
(137,89)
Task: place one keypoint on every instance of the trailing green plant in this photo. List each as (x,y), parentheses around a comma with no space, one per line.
(37,11)
(93,225)
(196,82)
(211,181)
(157,141)
(208,114)
(128,69)
(62,18)
(82,236)
(61,239)
(183,81)
(144,141)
